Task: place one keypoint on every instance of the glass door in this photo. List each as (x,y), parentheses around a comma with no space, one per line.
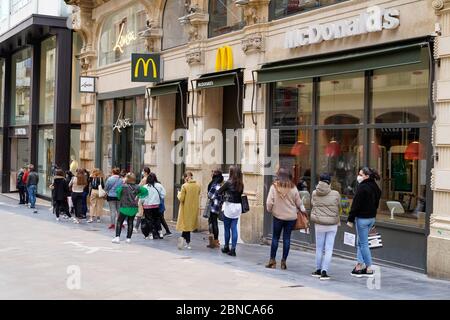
(20,157)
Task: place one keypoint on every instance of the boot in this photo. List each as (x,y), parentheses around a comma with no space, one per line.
(211,244)
(226,249)
(272,264)
(232,252)
(283,264)
(216,244)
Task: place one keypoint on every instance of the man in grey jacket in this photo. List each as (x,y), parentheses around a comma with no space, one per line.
(32,182)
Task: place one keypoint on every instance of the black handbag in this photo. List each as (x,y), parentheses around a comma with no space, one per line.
(244,203)
(207,211)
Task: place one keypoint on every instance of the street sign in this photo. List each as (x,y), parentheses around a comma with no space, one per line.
(145,67)
(87,84)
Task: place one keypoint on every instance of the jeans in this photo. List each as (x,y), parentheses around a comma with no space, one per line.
(213,225)
(119,224)
(114,210)
(324,241)
(363,227)
(27,195)
(32,195)
(286,226)
(230,225)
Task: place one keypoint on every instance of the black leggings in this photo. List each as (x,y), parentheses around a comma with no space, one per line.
(77,199)
(187,236)
(119,224)
(213,225)
(62,206)
(154,216)
(164,224)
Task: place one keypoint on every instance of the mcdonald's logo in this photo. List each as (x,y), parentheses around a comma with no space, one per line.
(145,67)
(224,59)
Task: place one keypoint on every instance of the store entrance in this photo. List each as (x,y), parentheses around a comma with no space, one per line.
(20,157)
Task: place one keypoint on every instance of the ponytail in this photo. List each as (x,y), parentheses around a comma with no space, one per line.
(371,172)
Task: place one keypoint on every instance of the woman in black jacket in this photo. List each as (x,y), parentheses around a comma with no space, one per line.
(60,192)
(363,212)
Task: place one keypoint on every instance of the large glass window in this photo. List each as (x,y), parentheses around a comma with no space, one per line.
(342,99)
(77,43)
(19,157)
(107,140)
(293,103)
(283,8)
(46,154)
(224,16)
(2,90)
(74,150)
(47,81)
(119,37)
(399,154)
(21,87)
(174,33)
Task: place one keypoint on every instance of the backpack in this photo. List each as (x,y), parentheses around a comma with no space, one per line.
(19,179)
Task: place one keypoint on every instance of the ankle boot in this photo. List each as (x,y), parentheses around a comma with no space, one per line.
(283,264)
(232,253)
(226,249)
(216,244)
(211,242)
(272,264)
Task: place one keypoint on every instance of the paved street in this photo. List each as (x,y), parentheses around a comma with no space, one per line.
(43,259)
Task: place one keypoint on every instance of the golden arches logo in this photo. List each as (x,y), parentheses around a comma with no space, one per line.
(224,59)
(145,64)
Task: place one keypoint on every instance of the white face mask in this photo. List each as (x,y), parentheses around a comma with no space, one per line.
(360,179)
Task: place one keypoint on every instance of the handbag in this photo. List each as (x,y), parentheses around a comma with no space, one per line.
(302,221)
(375,240)
(244,203)
(207,211)
(162,206)
(101,192)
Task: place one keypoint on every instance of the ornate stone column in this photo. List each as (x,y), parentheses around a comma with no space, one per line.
(438,257)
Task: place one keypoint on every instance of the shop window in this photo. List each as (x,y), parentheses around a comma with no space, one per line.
(106,135)
(293,103)
(341,99)
(119,37)
(21,87)
(45,167)
(2,91)
(75,146)
(399,155)
(284,8)
(47,81)
(75,111)
(17,5)
(174,33)
(400,95)
(340,153)
(224,16)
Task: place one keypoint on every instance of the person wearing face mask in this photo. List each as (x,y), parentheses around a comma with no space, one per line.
(362,214)
(145,173)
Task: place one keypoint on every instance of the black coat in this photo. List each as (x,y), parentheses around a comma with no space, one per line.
(366,201)
(60,189)
(230,193)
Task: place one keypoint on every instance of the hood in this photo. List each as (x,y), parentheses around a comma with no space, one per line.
(323,188)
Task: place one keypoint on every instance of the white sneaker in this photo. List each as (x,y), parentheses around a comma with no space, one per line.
(180,243)
(90,221)
(116,240)
(128,241)
(161,234)
(57,219)
(75,221)
(135,230)
(188,246)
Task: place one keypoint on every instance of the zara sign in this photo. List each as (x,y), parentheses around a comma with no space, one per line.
(374,19)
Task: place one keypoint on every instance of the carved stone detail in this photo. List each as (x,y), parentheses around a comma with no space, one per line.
(252,43)
(194,57)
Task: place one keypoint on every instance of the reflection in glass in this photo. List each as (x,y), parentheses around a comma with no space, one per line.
(74,150)
(21,90)
(174,33)
(45,167)
(399,155)
(224,16)
(47,81)
(77,43)
(2,91)
(400,95)
(107,142)
(341,99)
(293,103)
(283,8)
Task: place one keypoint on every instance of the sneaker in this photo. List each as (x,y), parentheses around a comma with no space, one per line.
(35,211)
(111,227)
(99,220)
(317,273)
(188,246)
(128,240)
(168,234)
(116,240)
(57,219)
(161,236)
(324,276)
(368,274)
(76,221)
(90,221)
(180,243)
(358,273)
(150,236)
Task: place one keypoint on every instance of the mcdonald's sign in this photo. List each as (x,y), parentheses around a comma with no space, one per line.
(145,67)
(224,59)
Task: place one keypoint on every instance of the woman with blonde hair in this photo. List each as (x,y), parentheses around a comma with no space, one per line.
(78,183)
(96,202)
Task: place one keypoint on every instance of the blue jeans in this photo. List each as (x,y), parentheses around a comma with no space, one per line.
(230,225)
(324,241)
(363,227)
(286,226)
(32,195)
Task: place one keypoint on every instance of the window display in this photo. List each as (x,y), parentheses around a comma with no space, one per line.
(21,87)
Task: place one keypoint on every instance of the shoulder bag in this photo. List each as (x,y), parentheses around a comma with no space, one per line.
(101,192)
(244,203)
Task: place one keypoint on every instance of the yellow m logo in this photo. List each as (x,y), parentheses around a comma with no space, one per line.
(145,65)
(224,59)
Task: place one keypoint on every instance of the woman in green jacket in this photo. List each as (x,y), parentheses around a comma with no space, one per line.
(128,195)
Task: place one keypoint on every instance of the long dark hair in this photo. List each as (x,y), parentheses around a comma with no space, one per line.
(151,179)
(284,179)
(217,176)
(371,173)
(236,178)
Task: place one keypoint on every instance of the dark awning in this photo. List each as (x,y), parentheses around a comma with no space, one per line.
(218,79)
(352,62)
(164,89)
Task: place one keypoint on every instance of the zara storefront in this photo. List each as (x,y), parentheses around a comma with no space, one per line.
(371,106)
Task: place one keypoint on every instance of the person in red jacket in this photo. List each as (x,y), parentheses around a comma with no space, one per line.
(25,180)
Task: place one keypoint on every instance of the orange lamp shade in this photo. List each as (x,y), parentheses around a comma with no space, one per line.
(415,151)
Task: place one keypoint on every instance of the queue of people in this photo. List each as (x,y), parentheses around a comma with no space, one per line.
(145,200)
